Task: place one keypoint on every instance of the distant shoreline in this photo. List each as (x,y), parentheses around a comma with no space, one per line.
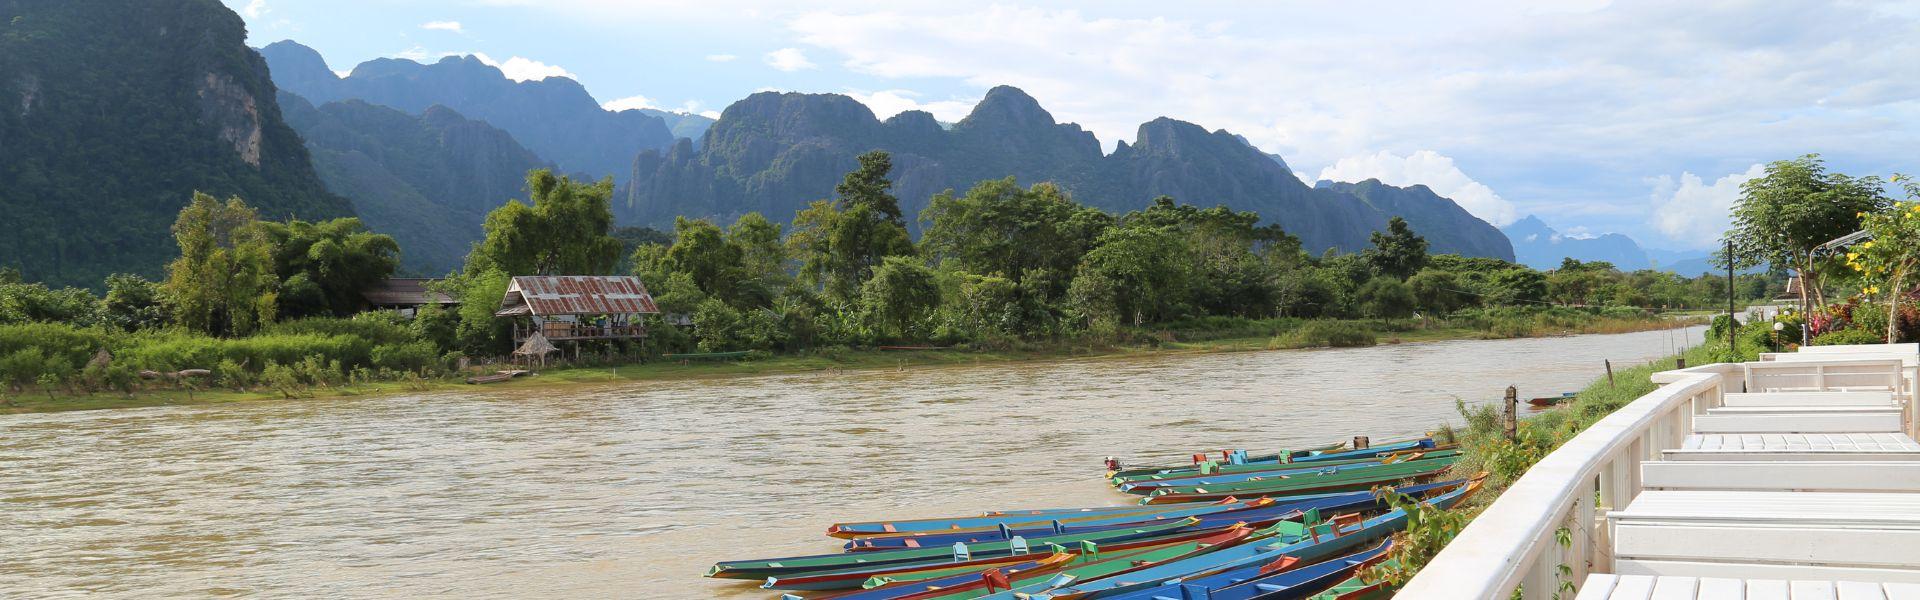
(864,359)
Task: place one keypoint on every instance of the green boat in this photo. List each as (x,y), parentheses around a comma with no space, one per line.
(1262,468)
(791,566)
(1339,480)
(1084,566)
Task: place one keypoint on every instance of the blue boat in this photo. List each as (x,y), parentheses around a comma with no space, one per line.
(1285,508)
(1305,544)
(1251,583)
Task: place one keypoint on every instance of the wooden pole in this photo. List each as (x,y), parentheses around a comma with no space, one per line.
(1360,442)
(1510,415)
(1680,363)
(1609,373)
(1732,330)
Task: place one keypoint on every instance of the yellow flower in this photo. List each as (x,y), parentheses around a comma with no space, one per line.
(1860,214)
(1853,255)
(1867,246)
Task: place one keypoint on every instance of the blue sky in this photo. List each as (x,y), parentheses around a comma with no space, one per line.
(1632,117)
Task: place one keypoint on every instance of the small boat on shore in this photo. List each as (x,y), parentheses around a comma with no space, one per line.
(498,376)
(1547,401)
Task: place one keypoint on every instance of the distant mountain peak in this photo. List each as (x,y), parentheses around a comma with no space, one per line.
(1007,106)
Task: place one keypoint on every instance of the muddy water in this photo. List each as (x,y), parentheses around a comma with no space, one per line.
(631,491)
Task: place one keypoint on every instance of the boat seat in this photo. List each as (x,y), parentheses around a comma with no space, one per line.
(1796,446)
(1754,399)
(1807,422)
(1818,476)
(1600,586)
(1861,536)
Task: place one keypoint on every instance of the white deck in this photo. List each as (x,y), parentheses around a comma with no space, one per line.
(1797,477)
(1601,586)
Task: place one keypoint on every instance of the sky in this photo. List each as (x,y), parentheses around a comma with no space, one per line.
(1598,116)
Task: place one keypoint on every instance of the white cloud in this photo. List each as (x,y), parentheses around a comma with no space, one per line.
(1578,232)
(789,60)
(453,26)
(711,114)
(525,69)
(629,103)
(721,57)
(887,103)
(1691,212)
(254,9)
(1431,169)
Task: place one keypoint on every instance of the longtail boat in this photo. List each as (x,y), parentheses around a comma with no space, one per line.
(1292,508)
(1339,480)
(1359,587)
(1224,470)
(993,521)
(1303,469)
(853,577)
(1275,459)
(1282,579)
(796,565)
(1306,544)
(1092,562)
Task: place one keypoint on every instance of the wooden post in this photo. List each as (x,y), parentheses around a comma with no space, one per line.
(1360,442)
(1680,363)
(1609,373)
(1510,415)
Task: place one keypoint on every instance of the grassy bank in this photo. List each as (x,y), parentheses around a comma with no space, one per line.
(1200,336)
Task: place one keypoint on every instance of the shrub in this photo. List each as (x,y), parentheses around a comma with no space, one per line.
(1848,336)
(283,379)
(1337,334)
(410,357)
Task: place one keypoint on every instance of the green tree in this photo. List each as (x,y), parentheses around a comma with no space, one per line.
(224,282)
(1438,292)
(566,230)
(132,303)
(702,251)
(901,294)
(1385,298)
(1135,275)
(999,229)
(1886,263)
(324,265)
(1397,253)
(840,243)
(1783,216)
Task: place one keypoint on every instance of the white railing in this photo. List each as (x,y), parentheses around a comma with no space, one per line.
(1515,542)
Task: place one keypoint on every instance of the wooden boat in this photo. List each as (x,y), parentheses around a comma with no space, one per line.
(1194,472)
(849,578)
(798,565)
(1023,519)
(707,355)
(1261,516)
(1042,528)
(1359,587)
(1546,401)
(1306,544)
(1281,579)
(1083,564)
(1357,479)
(498,376)
(1147,487)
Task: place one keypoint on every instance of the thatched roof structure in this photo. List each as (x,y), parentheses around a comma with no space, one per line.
(536,346)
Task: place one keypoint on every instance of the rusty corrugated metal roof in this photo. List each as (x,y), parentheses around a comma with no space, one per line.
(578,295)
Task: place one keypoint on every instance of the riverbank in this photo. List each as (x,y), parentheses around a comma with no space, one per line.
(1207,336)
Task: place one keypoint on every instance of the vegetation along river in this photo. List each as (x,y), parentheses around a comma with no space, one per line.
(633,490)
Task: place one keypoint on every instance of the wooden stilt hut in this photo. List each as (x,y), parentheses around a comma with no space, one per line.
(575,308)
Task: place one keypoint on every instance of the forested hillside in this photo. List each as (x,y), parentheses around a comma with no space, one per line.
(428,180)
(774,152)
(113,112)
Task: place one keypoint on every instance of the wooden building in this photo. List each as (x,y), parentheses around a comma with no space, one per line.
(407,295)
(577,307)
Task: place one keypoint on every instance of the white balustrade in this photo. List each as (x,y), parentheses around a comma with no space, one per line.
(1514,543)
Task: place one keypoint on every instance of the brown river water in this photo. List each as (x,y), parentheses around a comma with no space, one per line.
(632,490)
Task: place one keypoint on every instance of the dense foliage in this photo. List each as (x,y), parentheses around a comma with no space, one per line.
(264,303)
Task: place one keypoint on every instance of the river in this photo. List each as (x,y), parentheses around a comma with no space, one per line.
(632,490)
